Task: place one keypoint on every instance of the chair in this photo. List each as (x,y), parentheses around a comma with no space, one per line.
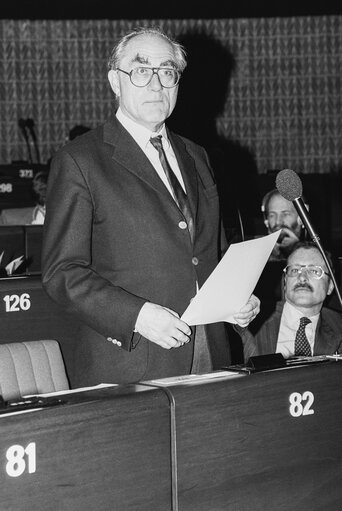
(33,367)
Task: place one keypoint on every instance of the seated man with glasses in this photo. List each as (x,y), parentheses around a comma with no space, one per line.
(300,325)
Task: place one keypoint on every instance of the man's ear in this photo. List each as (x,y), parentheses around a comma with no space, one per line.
(283,287)
(330,287)
(114,82)
(263,211)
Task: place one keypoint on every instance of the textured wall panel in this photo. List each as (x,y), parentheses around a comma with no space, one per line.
(283,98)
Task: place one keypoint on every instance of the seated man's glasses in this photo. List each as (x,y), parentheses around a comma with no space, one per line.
(142,76)
(313,271)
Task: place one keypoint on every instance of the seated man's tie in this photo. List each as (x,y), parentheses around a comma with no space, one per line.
(302,346)
(177,190)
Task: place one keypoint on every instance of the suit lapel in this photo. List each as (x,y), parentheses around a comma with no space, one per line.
(272,335)
(325,338)
(272,329)
(127,153)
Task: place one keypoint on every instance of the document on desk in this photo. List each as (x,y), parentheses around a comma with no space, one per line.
(230,285)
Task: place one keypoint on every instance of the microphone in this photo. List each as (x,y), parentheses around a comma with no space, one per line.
(22,126)
(30,126)
(289,185)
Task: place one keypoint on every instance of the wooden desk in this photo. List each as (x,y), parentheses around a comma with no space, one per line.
(267,441)
(105,450)
(257,444)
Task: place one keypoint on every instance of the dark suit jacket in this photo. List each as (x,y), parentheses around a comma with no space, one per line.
(328,337)
(112,241)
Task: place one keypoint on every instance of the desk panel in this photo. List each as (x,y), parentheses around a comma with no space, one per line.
(107,450)
(265,442)
(22,240)
(261,442)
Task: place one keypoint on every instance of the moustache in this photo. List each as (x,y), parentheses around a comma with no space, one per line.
(302,286)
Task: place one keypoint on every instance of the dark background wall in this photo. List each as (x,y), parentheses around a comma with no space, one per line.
(262,90)
(155,9)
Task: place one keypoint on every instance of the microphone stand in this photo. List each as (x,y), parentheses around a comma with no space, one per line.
(22,126)
(302,212)
(30,126)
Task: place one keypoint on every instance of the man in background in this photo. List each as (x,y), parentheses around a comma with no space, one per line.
(33,215)
(280,213)
(135,210)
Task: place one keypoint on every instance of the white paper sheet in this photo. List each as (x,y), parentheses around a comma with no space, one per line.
(231,283)
(74,391)
(195,378)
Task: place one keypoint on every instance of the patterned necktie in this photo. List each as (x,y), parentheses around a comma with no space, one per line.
(302,346)
(176,188)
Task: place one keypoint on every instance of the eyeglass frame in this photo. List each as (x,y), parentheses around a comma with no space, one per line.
(154,72)
(305,267)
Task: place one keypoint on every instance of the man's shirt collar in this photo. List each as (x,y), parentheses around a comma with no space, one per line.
(140,134)
(292,316)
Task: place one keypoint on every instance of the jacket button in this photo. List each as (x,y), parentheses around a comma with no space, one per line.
(182,224)
(109,339)
(195,261)
(119,343)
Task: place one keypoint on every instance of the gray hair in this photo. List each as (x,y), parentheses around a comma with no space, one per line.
(119,48)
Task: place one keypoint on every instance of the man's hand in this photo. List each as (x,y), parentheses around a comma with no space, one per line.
(162,326)
(287,238)
(248,311)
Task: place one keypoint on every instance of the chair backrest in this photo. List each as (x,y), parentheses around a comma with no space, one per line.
(33,367)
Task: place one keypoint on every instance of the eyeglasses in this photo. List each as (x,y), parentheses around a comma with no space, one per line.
(142,76)
(313,271)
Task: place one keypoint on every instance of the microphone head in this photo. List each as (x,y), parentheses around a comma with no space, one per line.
(289,185)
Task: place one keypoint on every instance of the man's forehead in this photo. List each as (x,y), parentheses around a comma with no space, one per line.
(278,203)
(149,49)
(306,256)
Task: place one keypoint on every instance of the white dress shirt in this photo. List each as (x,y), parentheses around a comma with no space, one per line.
(289,325)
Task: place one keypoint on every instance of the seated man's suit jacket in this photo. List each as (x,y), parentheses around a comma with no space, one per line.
(114,239)
(328,337)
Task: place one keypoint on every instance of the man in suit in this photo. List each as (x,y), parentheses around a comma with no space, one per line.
(124,248)
(300,324)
